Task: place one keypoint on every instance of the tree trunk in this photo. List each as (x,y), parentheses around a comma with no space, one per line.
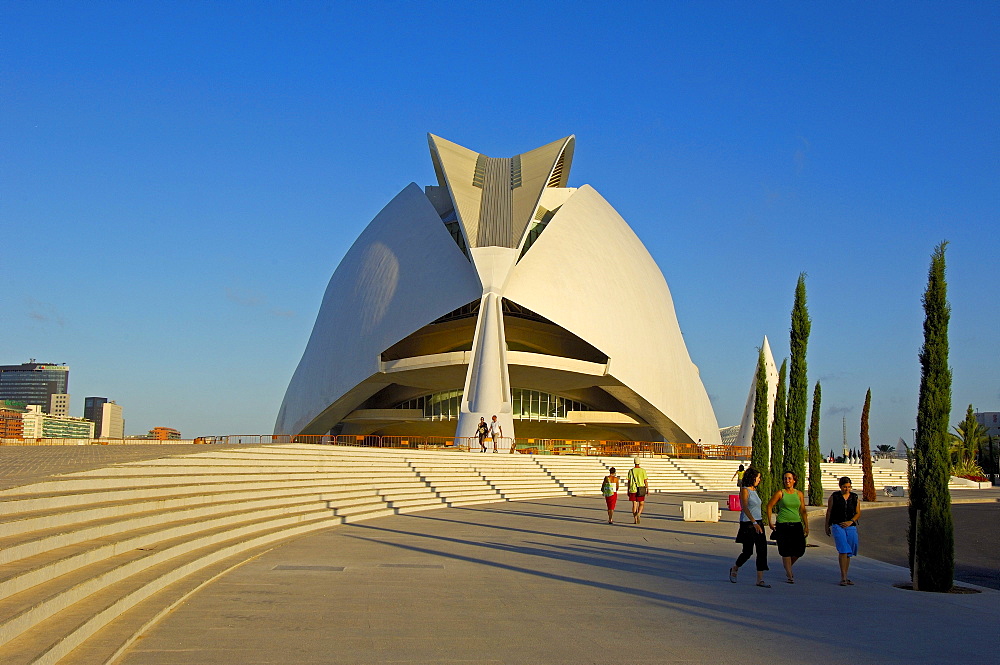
(868,484)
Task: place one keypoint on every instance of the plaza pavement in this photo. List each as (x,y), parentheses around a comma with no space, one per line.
(549,581)
(543,581)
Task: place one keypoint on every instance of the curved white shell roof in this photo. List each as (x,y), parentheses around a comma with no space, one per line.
(586,273)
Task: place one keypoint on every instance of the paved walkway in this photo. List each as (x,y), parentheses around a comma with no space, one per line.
(549,581)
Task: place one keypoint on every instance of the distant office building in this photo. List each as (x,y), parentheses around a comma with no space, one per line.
(11,419)
(112,422)
(164,433)
(991,421)
(35,383)
(106,416)
(59,404)
(93,410)
(40,425)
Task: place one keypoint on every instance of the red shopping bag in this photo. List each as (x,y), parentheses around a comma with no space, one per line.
(734,502)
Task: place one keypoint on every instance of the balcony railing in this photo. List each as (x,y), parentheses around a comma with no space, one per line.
(531,446)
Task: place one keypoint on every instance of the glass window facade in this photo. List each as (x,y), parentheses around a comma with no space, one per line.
(437,406)
(33,383)
(527,405)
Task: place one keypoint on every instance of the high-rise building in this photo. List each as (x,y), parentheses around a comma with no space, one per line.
(39,425)
(35,384)
(112,423)
(990,420)
(59,404)
(93,410)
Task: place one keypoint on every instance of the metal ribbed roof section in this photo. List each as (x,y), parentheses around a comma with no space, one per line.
(496,198)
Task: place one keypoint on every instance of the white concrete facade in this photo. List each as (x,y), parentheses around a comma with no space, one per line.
(112,422)
(745,436)
(510,293)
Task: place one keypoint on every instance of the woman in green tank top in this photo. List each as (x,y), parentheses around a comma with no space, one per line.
(792,527)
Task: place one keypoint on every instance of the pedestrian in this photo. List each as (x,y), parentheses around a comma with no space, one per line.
(738,477)
(496,431)
(482,430)
(843,511)
(792,527)
(751,533)
(609,488)
(638,488)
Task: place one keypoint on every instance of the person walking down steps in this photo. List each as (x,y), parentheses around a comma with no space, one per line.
(483,430)
(496,432)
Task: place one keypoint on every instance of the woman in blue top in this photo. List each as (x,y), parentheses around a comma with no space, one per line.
(751,533)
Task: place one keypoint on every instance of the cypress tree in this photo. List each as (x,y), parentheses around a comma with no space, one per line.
(868,484)
(815,456)
(778,430)
(759,443)
(931,536)
(795,420)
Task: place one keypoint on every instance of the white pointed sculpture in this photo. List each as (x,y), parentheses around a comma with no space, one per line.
(771,373)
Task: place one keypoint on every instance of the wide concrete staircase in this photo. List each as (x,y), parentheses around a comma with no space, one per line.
(89,560)
(711,475)
(578,476)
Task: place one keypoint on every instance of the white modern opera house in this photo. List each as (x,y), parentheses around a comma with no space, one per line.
(499,291)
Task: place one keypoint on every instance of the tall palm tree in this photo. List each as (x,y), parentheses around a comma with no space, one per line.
(883,449)
(969,439)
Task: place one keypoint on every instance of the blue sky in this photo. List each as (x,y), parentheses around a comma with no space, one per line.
(178,181)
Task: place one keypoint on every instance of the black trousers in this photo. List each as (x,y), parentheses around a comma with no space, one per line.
(751,539)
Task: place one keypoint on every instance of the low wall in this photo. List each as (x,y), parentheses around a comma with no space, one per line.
(91,442)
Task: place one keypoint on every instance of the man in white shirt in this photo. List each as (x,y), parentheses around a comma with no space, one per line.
(496,432)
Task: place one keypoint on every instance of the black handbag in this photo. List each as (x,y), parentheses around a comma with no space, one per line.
(640,490)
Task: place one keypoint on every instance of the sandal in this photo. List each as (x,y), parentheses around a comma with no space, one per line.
(790,580)
(843,582)
(849,582)
(763,584)
(732,574)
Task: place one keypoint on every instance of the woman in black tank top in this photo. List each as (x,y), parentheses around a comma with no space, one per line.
(843,510)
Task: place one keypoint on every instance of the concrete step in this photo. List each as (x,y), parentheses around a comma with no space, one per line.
(22,574)
(359,516)
(25,543)
(122,631)
(39,602)
(104,482)
(59,633)
(57,514)
(432,501)
(462,492)
(70,497)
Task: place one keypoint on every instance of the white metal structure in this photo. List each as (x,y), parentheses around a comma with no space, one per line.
(499,291)
(745,436)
